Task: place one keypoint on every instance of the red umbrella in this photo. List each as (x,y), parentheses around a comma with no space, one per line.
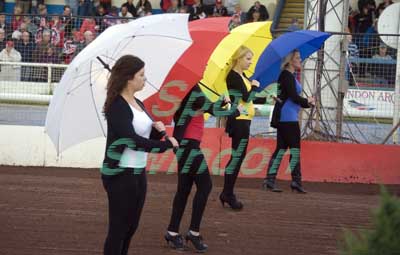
(188,70)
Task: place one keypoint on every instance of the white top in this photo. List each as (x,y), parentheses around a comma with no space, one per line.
(142,124)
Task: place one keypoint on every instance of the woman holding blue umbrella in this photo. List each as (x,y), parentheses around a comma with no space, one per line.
(289,103)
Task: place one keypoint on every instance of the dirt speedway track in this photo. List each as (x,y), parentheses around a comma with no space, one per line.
(64,211)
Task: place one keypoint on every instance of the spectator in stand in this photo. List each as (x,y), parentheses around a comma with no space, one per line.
(240,13)
(99,17)
(30,27)
(2,39)
(17,34)
(294,26)
(125,15)
(10,72)
(189,3)
(25,5)
(255,16)
(43,42)
(143,8)
(363,20)
(16,18)
(166,4)
(230,6)
(209,7)
(42,20)
(85,8)
(370,40)
(106,4)
(234,22)
(89,37)
(73,5)
(197,11)
(70,46)
(25,48)
(174,8)
(382,7)
(352,21)
(382,53)
(111,18)
(50,56)
(66,21)
(381,76)
(183,9)
(219,9)
(2,3)
(131,7)
(89,24)
(370,4)
(57,31)
(5,25)
(264,15)
(352,52)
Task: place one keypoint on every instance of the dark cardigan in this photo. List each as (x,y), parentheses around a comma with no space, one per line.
(120,134)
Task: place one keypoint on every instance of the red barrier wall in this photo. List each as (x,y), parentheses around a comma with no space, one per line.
(320,161)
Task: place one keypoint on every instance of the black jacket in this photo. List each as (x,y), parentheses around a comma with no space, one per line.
(287,87)
(120,134)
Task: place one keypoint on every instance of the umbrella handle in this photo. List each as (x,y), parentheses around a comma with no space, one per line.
(106,66)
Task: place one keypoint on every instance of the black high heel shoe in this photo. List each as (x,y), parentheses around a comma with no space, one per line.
(270,185)
(231,201)
(175,242)
(296,186)
(197,242)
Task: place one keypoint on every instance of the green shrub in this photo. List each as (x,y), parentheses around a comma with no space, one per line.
(383,238)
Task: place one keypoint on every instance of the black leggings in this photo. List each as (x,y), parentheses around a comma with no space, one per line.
(239,132)
(126,195)
(288,136)
(192,167)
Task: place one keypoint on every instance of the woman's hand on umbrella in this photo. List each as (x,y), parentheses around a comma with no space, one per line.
(174,142)
(227,99)
(311,101)
(159,126)
(255,83)
(242,109)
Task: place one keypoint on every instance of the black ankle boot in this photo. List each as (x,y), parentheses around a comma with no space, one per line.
(296,186)
(197,242)
(269,184)
(231,201)
(175,242)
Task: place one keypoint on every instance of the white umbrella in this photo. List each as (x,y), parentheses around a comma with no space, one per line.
(75,111)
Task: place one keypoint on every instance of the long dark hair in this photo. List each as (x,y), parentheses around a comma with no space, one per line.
(124,70)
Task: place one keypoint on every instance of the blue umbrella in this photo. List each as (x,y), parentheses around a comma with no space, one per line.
(268,66)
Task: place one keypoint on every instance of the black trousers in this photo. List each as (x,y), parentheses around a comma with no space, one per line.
(126,195)
(192,168)
(288,136)
(239,132)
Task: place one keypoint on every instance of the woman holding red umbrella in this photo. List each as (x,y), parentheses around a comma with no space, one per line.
(192,167)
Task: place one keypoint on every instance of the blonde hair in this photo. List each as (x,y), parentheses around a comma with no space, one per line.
(240,53)
(287,59)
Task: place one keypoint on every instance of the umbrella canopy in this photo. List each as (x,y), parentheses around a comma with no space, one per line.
(268,66)
(255,35)
(189,69)
(75,111)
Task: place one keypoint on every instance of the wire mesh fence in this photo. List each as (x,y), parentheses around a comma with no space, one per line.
(36,50)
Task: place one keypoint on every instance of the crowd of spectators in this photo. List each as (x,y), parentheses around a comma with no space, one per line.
(29,34)
(366,43)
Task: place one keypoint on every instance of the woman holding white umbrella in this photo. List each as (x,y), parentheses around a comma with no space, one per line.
(130,134)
